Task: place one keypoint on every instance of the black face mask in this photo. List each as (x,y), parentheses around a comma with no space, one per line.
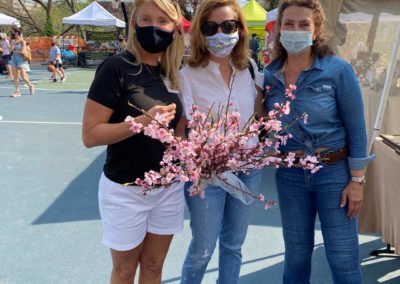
(153,39)
(120,39)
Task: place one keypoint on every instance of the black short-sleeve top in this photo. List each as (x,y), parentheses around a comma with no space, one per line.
(118,82)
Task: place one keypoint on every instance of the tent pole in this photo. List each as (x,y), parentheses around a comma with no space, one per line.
(386,88)
(126,19)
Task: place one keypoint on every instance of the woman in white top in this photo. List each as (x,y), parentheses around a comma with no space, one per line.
(5,48)
(219,65)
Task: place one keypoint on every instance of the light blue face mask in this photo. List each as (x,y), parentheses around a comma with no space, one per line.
(296,41)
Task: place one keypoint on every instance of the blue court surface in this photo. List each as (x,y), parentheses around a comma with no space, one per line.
(50,231)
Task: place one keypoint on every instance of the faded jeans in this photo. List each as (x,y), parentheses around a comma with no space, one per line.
(302,195)
(218,215)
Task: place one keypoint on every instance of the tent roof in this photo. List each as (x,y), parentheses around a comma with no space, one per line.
(359,17)
(7,20)
(272,15)
(186,25)
(93,15)
(253,12)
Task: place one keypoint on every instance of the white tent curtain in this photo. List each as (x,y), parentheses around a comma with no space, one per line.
(7,20)
(94,15)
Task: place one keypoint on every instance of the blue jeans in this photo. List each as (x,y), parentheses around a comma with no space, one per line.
(301,196)
(221,215)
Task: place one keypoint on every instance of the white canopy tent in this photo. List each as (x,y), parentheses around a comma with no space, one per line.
(94,15)
(272,15)
(8,21)
(359,17)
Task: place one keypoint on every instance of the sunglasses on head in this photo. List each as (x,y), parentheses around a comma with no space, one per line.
(227,27)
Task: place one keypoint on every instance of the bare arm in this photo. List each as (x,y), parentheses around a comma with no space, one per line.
(180,128)
(96,130)
(259,108)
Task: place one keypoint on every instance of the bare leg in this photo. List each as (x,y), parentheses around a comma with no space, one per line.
(16,80)
(9,70)
(62,72)
(124,265)
(155,248)
(25,77)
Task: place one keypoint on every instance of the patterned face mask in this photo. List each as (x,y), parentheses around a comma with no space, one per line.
(221,45)
(296,41)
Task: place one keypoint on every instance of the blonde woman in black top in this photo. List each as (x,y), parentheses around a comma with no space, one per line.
(138,228)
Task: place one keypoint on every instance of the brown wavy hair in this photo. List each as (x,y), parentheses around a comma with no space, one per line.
(199,53)
(319,48)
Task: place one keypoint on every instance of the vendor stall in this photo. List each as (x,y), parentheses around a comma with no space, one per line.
(255,16)
(8,21)
(95,15)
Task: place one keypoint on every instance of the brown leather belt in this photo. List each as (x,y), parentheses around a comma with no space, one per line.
(331,158)
(328,158)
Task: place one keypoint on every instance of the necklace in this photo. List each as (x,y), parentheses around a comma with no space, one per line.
(154,73)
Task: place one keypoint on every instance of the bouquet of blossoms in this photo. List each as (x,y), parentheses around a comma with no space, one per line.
(217,148)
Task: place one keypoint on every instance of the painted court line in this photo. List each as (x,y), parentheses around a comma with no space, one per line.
(44,89)
(40,122)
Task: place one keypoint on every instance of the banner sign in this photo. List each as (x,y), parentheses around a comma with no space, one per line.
(100,41)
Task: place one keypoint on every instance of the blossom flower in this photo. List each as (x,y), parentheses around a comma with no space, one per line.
(216,146)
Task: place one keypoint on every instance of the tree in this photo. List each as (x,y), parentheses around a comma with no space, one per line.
(44,17)
(271,4)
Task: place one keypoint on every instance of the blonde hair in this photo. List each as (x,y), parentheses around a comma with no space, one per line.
(199,53)
(171,58)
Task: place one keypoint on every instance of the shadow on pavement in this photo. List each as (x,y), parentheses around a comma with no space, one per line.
(79,201)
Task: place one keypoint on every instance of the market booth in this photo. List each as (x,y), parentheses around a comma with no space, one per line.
(255,16)
(100,45)
(8,20)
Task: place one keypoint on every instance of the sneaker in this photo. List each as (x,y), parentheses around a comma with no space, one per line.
(16,94)
(63,79)
(54,80)
(32,89)
(10,77)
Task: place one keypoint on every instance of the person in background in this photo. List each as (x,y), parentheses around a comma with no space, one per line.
(328,91)
(55,59)
(121,43)
(18,64)
(69,55)
(219,66)
(5,49)
(137,228)
(254,47)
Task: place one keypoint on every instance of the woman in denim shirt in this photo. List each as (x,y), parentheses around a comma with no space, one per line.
(328,91)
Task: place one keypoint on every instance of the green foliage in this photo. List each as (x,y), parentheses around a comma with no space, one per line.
(48,28)
(61,10)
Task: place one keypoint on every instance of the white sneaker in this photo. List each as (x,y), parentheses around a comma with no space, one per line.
(1,118)
(63,79)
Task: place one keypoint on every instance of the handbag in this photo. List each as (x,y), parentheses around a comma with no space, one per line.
(26,55)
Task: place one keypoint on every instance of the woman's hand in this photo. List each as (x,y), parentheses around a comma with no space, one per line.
(168,111)
(353,193)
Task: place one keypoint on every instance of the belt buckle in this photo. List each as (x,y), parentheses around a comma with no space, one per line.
(327,161)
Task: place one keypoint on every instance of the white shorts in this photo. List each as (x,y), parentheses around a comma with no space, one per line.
(128,215)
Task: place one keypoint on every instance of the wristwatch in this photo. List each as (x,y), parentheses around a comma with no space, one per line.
(360,180)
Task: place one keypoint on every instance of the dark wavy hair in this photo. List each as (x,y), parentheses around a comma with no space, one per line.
(319,48)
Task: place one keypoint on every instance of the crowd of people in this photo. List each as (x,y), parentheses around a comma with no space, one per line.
(138,229)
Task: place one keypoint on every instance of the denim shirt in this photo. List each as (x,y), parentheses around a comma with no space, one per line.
(330,94)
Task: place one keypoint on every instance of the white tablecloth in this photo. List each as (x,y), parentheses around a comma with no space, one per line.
(380,210)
